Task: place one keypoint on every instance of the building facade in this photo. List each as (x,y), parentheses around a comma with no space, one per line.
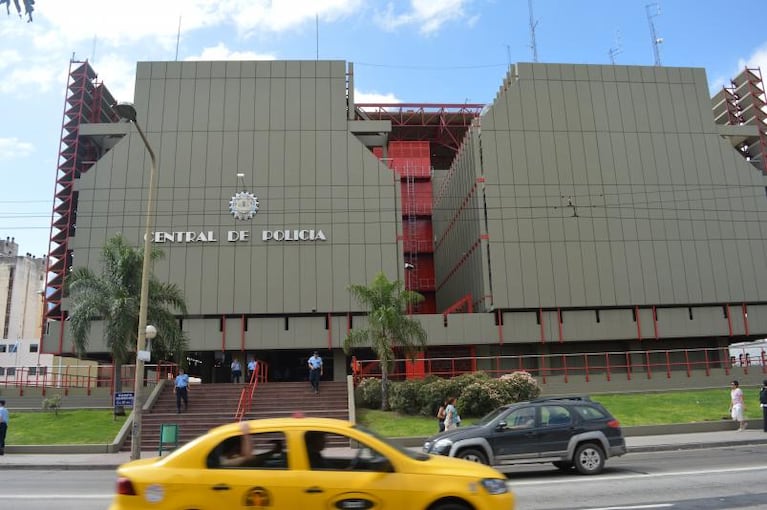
(587,209)
(21,293)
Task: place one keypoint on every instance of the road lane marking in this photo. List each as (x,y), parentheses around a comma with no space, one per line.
(633,507)
(55,496)
(610,478)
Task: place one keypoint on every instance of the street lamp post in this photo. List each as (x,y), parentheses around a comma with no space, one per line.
(127,111)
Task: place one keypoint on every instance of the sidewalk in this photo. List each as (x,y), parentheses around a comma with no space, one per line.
(636,444)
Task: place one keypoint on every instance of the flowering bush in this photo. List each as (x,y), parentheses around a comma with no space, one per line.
(521,386)
(477,393)
(368,393)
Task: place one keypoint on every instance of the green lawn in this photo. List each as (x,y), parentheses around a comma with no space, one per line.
(69,426)
(631,409)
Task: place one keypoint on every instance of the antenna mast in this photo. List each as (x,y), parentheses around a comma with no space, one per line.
(613,52)
(178,36)
(533,24)
(656,41)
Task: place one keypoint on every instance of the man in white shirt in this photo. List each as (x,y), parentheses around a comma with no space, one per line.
(315,371)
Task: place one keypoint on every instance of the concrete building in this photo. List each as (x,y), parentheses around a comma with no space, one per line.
(588,209)
(21,292)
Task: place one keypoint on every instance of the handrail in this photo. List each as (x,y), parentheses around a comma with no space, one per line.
(610,365)
(246,395)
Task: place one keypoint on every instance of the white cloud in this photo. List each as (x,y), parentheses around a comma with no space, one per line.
(118,74)
(282,15)
(13,148)
(374,97)
(27,80)
(221,52)
(757,59)
(427,15)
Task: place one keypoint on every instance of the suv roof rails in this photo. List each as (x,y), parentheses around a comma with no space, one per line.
(564,397)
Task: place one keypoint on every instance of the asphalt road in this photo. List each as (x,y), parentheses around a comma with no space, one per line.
(701,479)
(704,479)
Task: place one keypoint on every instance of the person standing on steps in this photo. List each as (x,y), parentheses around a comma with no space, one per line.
(4,425)
(763,403)
(737,406)
(181,389)
(236,370)
(315,371)
(251,368)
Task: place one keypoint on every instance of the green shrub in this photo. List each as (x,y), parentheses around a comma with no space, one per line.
(52,402)
(368,393)
(434,392)
(405,397)
(482,396)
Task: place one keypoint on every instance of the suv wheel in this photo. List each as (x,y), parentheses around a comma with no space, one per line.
(473,455)
(589,459)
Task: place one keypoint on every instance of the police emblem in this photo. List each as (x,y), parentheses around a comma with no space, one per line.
(243,205)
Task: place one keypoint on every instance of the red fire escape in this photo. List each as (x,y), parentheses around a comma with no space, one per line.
(745,102)
(87,101)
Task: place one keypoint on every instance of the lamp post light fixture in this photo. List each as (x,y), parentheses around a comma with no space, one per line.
(127,111)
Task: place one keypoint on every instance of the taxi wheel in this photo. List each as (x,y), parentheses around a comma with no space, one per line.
(451,506)
(472,455)
(589,459)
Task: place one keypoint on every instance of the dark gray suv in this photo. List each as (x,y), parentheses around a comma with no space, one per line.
(570,432)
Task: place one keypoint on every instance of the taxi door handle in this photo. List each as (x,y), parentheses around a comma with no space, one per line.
(313,490)
(221,487)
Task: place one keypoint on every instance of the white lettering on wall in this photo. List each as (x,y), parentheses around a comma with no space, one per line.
(232,236)
(293,235)
(237,235)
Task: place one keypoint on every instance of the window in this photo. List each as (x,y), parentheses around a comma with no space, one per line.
(267,452)
(521,419)
(13,347)
(42,370)
(3,348)
(10,371)
(33,347)
(2,370)
(32,371)
(554,416)
(334,452)
(590,413)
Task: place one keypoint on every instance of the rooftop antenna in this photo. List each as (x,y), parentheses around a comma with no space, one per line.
(613,52)
(653,11)
(533,24)
(178,36)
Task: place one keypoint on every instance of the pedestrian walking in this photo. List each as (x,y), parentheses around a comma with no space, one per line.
(315,371)
(252,364)
(182,390)
(441,415)
(763,403)
(452,420)
(737,406)
(4,418)
(236,370)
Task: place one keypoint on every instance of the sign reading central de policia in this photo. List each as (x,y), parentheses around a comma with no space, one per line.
(298,234)
(243,206)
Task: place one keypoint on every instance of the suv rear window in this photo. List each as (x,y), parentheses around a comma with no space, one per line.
(590,413)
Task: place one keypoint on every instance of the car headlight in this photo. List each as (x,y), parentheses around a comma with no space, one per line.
(442,446)
(495,486)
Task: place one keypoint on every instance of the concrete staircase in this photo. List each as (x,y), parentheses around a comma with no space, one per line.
(211,405)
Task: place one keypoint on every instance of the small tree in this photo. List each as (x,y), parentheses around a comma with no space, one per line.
(114,297)
(52,402)
(389,325)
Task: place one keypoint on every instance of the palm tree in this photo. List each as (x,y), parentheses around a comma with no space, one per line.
(388,324)
(113,296)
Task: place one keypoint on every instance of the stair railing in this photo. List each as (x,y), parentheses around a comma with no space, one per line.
(246,395)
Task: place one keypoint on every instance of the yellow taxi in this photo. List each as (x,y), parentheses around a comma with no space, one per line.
(305,464)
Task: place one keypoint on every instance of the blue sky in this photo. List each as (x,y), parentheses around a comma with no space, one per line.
(425,51)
